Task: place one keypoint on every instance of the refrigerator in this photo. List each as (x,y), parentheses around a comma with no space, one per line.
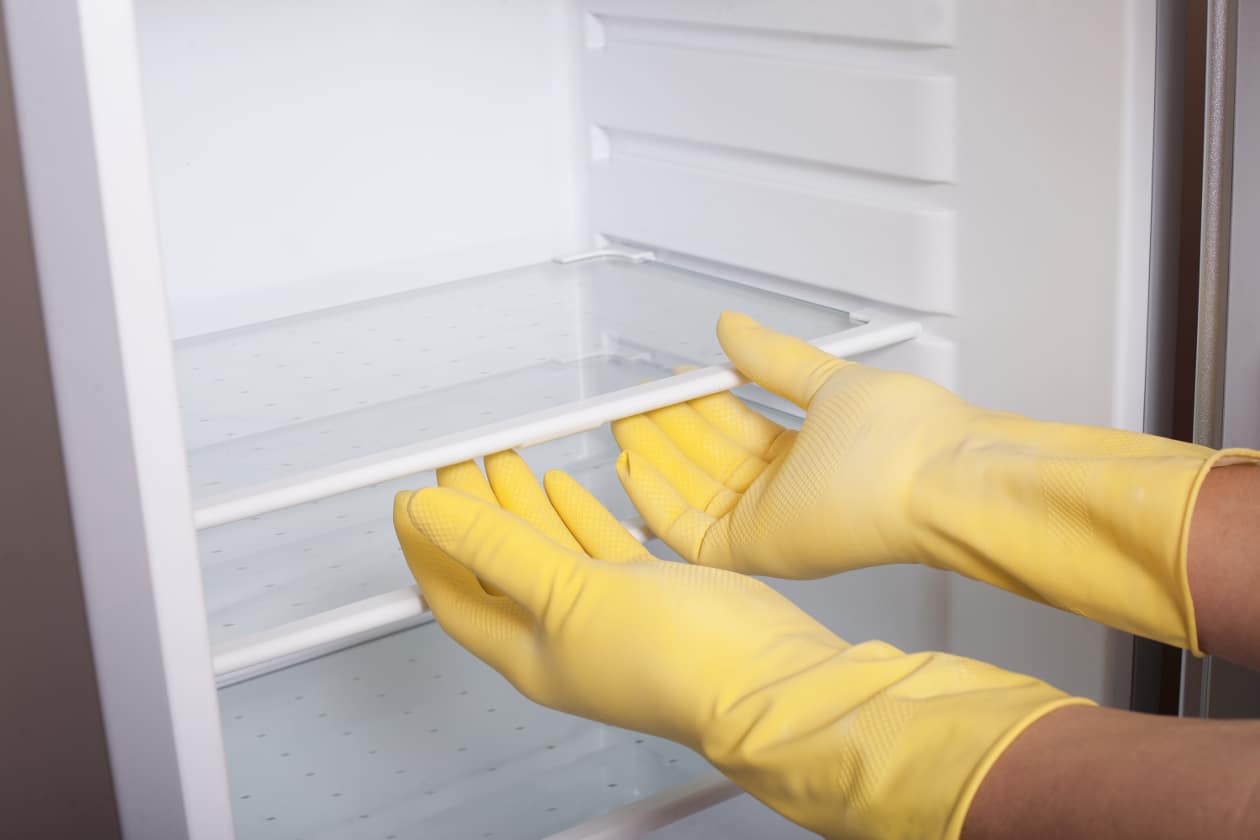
(271,261)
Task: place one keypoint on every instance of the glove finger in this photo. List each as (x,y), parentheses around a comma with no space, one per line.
(466,476)
(729,415)
(500,548)
(494,629)
(738,422)
(700,489)
(707,447)
(519,492)
(599,532)
(782,364)
(666,511)
(781,445)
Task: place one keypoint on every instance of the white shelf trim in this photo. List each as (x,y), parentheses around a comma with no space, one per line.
(528,430)
(326,632)
(668,806)
(633,255)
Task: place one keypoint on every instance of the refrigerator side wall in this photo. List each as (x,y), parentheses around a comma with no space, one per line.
(53,732)
(84,161)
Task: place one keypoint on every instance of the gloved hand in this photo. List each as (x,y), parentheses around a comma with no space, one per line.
(891,468)
(850,741)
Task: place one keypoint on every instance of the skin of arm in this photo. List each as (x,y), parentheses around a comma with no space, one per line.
(1224,564)
(1093,772)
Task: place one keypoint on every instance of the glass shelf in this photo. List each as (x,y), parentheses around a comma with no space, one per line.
(411,736)
(278,400)
(263,574)
(295,563)
(406,734)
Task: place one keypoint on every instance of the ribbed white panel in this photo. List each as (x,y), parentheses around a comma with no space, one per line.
(899,21)
(810,141)
(901,255)
(817,111)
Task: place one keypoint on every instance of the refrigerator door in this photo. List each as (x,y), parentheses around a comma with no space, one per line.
(1242,361)
(1226,690)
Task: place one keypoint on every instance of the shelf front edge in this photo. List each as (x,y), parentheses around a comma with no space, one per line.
(299,641)
(256,654)
(668,806)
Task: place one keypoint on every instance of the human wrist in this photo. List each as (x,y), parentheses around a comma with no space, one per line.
(1222,574)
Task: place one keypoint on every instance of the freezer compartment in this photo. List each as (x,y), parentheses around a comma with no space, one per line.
(410,736)
(294,410)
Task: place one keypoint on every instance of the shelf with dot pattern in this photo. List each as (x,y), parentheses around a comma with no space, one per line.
(410,736)
(419,380)
(267,576)
(402,733)
(290,411)
(298,562)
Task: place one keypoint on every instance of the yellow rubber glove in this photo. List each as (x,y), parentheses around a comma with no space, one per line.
(858,741)
(891,468)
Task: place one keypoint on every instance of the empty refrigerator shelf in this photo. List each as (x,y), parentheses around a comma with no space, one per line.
(410,736)
(300,582)
(292,411)
(342,717)
(295,563)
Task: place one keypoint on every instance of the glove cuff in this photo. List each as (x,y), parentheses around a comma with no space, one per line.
(880,744)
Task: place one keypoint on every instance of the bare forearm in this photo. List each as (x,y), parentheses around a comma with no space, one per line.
(1224,563)
(1091,772)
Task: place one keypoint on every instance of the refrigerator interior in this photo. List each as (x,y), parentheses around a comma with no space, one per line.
(360,207)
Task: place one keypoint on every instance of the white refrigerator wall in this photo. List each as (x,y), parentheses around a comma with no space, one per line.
(980,165)
(310,154)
